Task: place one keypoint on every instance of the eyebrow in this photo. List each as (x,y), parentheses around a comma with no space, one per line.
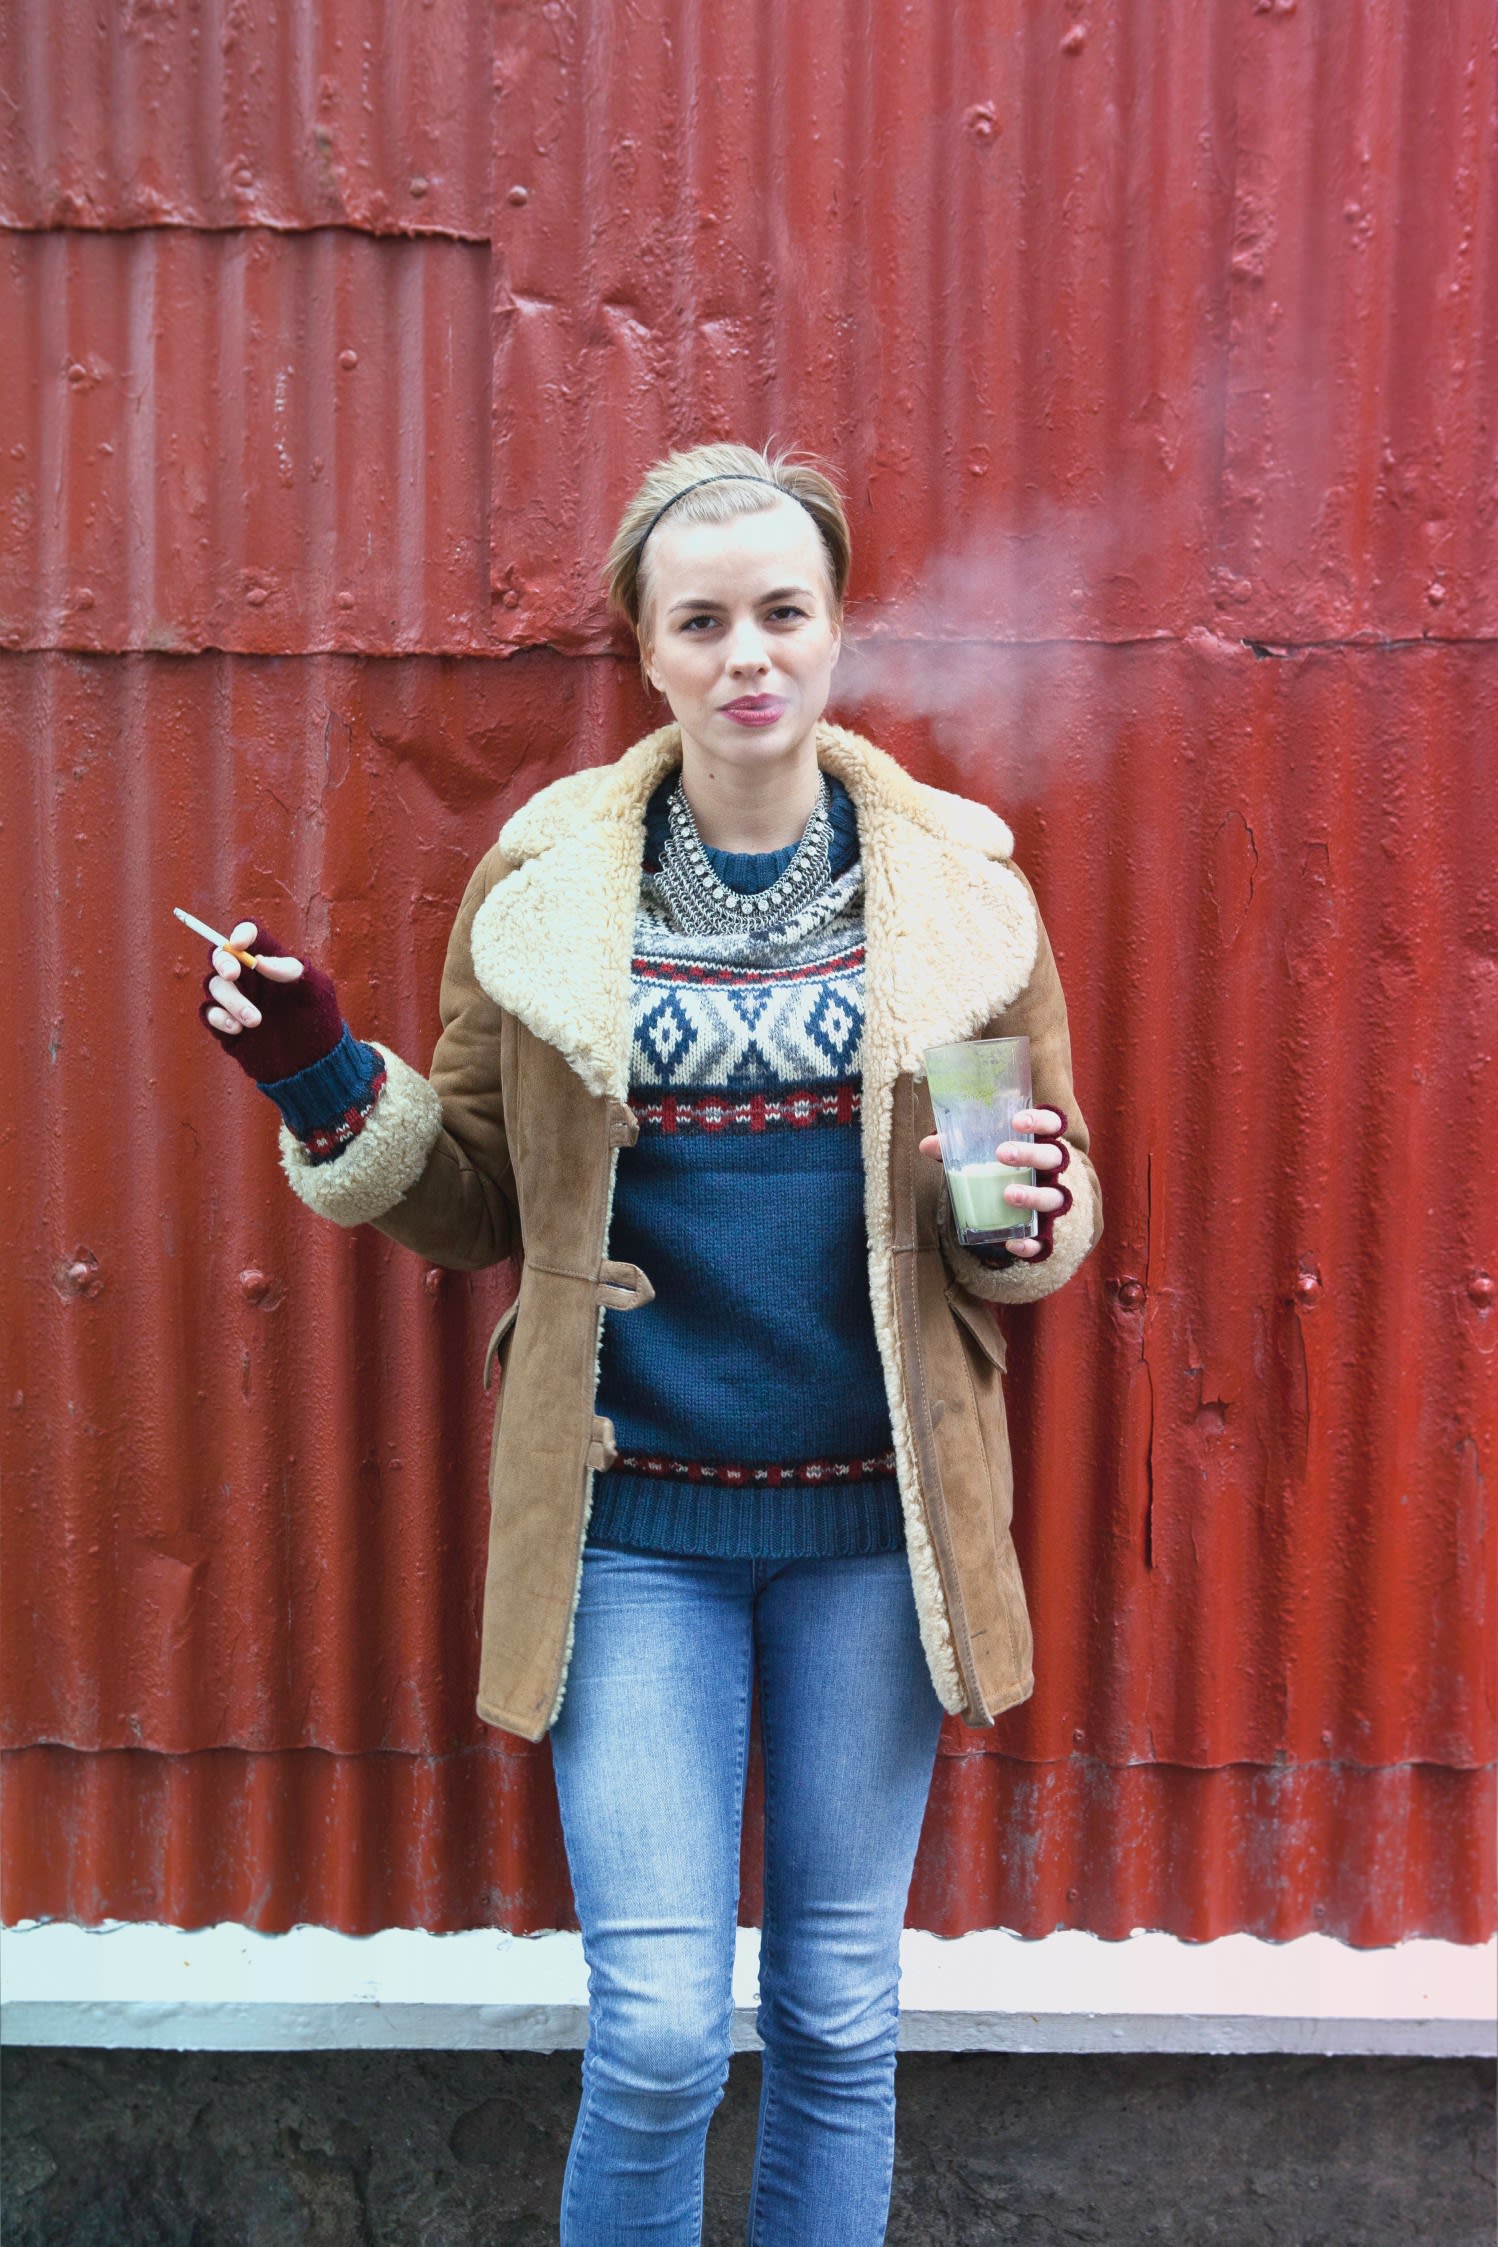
(779,594)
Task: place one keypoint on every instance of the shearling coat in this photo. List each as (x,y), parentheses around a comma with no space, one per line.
(510,1147)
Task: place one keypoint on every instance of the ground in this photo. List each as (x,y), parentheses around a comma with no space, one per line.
(444,2149)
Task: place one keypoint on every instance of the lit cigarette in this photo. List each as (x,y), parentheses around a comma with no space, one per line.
(201,928)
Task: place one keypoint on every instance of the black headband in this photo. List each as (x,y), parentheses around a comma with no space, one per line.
(728,476)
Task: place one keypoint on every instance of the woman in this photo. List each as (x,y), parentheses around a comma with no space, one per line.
(751,1423)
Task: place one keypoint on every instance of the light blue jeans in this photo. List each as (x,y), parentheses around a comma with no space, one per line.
(650,1751)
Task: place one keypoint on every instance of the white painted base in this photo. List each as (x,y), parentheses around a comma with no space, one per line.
(227,1988)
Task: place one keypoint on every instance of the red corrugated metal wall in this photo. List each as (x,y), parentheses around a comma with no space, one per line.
(1156,344)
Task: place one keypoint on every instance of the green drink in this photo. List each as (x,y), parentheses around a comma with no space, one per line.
(978,1202)
(977,1089)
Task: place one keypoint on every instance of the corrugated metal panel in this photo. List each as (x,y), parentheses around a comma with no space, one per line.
(254,1449)
(1138,317)
(256,441)
(223,114)
(472,1839)
(1196,327)
(245,1453)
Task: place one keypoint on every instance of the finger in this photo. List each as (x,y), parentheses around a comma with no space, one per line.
(1030,1155)
(1035,1197)
(218,1020)
(1039,1119)
(281,968)
(244,932)
(1024,1249)
(225,963)
(244,1011)
(931,1146)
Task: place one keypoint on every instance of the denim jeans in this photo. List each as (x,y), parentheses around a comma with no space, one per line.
(650,1751)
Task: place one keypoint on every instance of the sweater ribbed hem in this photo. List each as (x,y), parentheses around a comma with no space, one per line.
(651,1515)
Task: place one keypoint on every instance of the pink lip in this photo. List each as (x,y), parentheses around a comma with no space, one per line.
(755,709)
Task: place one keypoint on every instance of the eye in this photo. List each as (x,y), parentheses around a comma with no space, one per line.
(788,608)
(689,623)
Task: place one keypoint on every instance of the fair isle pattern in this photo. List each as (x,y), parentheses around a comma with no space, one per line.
(765,1011)
(756,1111)
(713,971)
(328,1141)
(806,1473)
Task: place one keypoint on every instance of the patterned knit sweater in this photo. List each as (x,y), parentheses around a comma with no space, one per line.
(747,1399)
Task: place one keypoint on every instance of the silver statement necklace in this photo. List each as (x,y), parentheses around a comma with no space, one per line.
(705,906)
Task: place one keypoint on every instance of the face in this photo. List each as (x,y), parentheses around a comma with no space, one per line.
(741,633)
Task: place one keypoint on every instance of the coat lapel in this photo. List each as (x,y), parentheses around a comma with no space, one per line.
(552,942)
(950,930)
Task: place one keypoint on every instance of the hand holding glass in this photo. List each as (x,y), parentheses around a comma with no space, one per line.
(977,1090)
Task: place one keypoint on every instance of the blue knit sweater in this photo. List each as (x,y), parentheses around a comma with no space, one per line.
(747,1399)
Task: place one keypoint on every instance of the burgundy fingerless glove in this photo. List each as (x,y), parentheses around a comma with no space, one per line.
(304,1057)
(998,1256)
(299,1022)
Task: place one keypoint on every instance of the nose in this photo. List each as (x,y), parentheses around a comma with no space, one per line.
(746,650)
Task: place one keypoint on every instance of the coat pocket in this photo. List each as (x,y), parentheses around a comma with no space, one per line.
(980,1323)
(496,1342)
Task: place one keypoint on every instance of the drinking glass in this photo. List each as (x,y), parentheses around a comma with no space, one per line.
(976,1091)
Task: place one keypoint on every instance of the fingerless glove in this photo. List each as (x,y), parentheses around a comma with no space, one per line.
(998,1256)
(303,1055)
(299,1022)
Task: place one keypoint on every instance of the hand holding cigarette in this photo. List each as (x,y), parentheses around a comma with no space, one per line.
(234,1011)
(276,1016)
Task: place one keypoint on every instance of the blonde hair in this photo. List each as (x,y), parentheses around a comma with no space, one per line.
(664,485)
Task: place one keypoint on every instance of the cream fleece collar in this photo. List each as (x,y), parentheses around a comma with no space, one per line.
(950,927)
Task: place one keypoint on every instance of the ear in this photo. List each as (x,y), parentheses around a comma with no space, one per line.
(645,636)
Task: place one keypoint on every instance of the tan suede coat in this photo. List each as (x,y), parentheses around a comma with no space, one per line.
(510,1147)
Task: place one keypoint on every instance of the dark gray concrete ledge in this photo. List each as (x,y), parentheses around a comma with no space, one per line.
(466,2149)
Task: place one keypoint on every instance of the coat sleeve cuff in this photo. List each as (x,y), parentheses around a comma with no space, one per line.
(383,1162)
(1023,1279)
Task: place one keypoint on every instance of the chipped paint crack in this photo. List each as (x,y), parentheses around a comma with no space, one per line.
(1144,1359)
(1370,643)
(1149,1448)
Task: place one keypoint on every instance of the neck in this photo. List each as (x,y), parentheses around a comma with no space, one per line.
(759,808)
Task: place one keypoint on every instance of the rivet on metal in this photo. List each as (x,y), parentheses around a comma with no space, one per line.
(78,1278)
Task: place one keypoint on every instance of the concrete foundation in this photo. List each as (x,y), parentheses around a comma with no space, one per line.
(465,2149)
